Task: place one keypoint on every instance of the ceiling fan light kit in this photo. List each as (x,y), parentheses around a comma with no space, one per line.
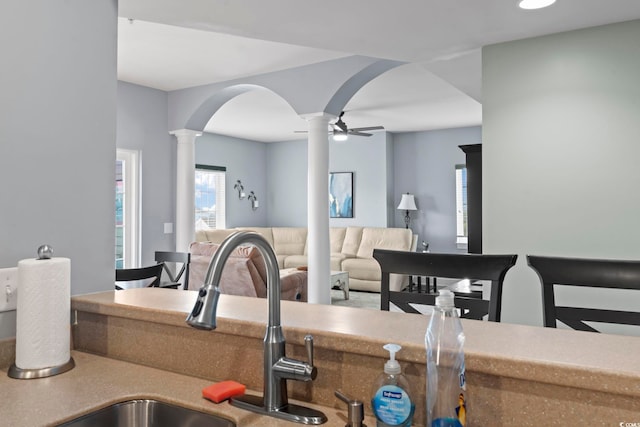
(340,136)
(535,4)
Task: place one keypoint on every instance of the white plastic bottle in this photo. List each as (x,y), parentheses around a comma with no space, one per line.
(391,402)
(446,386)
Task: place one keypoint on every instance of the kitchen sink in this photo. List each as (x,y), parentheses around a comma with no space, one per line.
(147,413)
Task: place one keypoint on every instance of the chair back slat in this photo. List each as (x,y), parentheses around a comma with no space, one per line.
(584,273)
(454,266)
(130,274)
(183,258)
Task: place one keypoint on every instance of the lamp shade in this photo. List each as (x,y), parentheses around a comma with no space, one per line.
(407,203)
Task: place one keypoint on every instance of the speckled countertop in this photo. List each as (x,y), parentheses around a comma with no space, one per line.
(489,347)
(97,382)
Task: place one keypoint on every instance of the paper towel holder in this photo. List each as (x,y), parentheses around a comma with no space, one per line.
(44,252)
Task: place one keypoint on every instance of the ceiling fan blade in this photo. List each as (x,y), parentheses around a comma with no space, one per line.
(368,128)
(300,131)
(358,133)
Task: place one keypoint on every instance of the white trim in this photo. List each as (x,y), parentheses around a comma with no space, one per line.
(131,174)
(185,188)
(461,234)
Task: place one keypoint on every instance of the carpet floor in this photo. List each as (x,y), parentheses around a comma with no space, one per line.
(368,300)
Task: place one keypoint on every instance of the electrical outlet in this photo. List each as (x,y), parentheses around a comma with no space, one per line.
(8,288)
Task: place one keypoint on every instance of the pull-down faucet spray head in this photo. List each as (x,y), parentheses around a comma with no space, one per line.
(203,315)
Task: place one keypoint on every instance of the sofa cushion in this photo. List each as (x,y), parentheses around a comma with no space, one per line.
(365,275)
(336,238)
(362,268)
(383,238)
(293,284)
(213,235)
(263,231)
(336,261)
(281,259)
(209,248)
(352,238)
(293,261)
(289,240)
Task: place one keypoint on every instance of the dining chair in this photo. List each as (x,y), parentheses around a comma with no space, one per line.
(474,267)
(183,258)
(584,273)
(144,277)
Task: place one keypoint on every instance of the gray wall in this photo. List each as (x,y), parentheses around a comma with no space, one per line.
(245,160)
(425,166)
(57,136)
(142,126)
(367,158)
(560,154)
(287,178)
(391,183)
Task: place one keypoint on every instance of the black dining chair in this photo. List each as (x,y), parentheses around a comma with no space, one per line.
(584,273)
(473,267)
(179,259)
(144,277)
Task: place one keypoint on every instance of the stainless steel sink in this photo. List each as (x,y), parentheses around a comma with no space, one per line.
(147,413)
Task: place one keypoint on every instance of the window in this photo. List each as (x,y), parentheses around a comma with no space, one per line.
(126,209)
(210,197)
(462,233)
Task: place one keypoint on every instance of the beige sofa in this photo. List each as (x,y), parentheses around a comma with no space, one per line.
(351,250)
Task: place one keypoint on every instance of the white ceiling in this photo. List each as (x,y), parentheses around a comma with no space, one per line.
(173,45)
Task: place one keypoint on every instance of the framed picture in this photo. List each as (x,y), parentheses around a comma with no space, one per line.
(341,194)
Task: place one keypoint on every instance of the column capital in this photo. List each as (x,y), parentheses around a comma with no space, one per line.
(185,135)
(320,115)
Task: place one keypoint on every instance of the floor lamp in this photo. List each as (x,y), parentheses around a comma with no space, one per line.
(407,203)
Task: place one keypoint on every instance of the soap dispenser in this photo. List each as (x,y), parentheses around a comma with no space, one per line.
(392,404)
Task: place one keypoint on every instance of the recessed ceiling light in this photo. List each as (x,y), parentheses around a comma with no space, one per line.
(535,4)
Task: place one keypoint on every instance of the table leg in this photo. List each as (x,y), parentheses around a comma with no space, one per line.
(344,287)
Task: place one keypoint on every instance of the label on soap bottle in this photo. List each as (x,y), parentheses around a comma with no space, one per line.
(392,405)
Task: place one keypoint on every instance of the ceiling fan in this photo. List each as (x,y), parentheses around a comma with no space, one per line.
(341,131)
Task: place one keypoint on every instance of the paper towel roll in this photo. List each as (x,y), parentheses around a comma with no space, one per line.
(43,313)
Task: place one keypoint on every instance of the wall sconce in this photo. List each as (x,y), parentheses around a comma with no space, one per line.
(240,189)
(254,200)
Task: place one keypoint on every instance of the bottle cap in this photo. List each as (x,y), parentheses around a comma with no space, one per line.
(392,366)
(445,299)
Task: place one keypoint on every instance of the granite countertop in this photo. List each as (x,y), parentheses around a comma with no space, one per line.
(97,382)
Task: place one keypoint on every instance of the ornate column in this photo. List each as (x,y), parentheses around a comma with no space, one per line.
(318,247)
(185,188)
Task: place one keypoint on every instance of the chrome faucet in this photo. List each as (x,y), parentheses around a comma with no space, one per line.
(277,367)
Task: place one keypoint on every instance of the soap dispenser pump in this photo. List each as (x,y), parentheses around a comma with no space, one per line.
(392,404)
